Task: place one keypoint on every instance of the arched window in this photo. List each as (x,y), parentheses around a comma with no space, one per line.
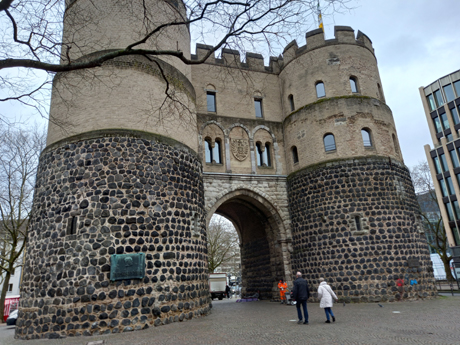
(329,142)
(295,155)
(366,134)
(263,155)
(267,158)
(216,156)
(208,150)
(291,102)
(395,144)
(320,90)
(213,154)
(354,84)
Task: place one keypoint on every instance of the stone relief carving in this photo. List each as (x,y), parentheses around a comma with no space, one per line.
(240,148)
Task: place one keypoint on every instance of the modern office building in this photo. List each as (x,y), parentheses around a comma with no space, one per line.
(441,101)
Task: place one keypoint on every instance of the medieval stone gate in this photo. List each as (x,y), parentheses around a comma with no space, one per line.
(302,155)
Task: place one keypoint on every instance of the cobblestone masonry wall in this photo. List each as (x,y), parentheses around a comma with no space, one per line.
(362,264)
(129,195)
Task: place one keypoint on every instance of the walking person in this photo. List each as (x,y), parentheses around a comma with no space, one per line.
(325,294)
(300,294)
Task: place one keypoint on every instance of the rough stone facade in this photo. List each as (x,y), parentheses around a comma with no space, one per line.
(353,223)
(128,195)
(128,171)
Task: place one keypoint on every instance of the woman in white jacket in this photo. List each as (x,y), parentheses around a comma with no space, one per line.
(325,294)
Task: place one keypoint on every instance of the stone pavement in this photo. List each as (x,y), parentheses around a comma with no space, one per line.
(418,322)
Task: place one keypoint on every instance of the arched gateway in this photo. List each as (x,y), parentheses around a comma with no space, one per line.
(129,179)
(264,239)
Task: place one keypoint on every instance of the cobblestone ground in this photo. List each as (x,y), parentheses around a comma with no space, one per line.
(420,322)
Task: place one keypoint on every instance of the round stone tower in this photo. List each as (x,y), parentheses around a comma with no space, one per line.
(117,239)
(352,203)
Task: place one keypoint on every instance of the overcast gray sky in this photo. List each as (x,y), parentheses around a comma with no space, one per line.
(416,42)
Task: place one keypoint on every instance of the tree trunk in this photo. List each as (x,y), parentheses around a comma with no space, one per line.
(446,263)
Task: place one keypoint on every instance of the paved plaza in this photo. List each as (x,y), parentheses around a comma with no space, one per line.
(418,322)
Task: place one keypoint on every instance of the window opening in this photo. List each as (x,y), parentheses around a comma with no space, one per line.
(358,223)
(295,155)
(266,155)
(445,122)
(258,107)
(437,124)
(291,102)
(442,183)
(450,213)
(320,90)
(211,100)
(437,165)
(456,209)
(10,287)
(444,165)
(366,138)
(430,101)
(450,186)
(457,87)
(438,98)
(216,152)
(72,226)
(449,92)
(380,92)
(208,151)
(449,137)
(354,85)
(259,155)
(455,115)
(454,158)
(329,142)
(395,144)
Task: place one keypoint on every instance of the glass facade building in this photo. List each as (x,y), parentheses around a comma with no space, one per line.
(441,101)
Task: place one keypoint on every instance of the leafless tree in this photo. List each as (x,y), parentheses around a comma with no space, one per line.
(32,50)
(424,186)
(19,155)
(223,243)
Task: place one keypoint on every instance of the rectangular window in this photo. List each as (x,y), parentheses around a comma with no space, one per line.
(454,158)
(456,209)
(211,99)
(450,186)
(444,191)
(458,179)
(438,98)
(444,165)
(449,92)
(455,115)
(449,137)
(430,100)
(437,124)
(12,272)
(10,287)
(437,165)
(457,87)
(449,212)
(258,107)
(445,122)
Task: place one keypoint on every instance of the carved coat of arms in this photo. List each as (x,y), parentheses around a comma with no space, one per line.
(240,148)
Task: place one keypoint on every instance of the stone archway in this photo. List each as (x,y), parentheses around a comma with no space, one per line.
(265,250)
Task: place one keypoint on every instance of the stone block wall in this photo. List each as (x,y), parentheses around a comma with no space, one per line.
(354,222)
(114,194)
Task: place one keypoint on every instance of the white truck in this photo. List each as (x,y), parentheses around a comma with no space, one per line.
(217,285)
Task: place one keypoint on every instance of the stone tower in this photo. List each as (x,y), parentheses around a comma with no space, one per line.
(301,155)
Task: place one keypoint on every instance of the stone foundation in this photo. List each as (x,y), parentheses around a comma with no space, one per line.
(354,222)
(117,194)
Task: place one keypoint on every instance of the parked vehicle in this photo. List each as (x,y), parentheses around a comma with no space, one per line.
(11,303)
(11,320)
(217,285)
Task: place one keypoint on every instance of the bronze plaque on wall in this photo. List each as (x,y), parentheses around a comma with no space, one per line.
(127,266)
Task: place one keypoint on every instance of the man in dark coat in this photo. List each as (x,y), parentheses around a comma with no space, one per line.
(300,294)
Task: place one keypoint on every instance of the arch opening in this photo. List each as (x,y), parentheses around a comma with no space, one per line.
(260,234)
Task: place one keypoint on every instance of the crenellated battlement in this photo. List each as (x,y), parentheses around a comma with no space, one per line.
(315,39)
